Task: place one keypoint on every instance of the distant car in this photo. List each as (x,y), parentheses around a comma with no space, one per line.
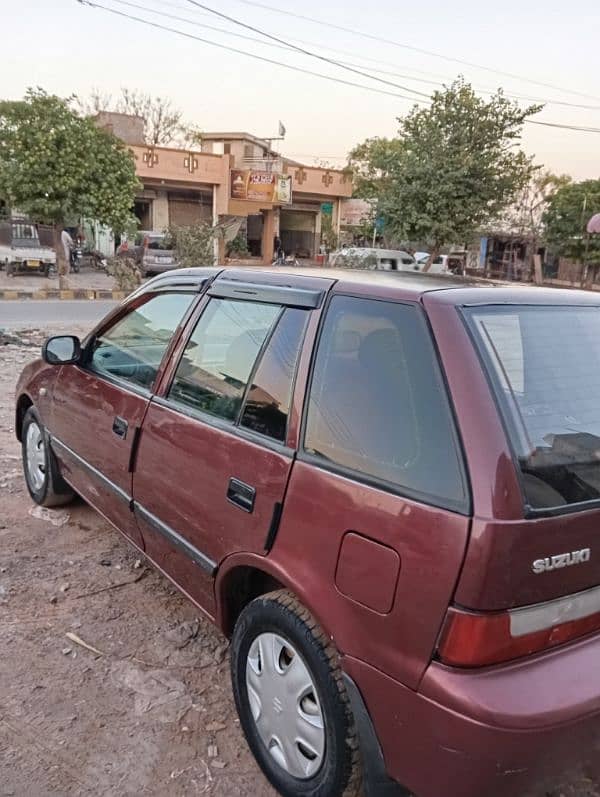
(439,265)
(378,259)
(21,250)
(157,258)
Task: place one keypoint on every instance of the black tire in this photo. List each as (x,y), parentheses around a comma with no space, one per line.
(53,490)
(340,774)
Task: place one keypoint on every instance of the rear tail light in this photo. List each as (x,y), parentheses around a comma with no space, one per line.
(470,639)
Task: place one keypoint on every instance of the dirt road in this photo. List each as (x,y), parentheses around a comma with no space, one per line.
(149,711)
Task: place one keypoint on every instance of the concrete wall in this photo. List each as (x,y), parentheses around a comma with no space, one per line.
(129,129)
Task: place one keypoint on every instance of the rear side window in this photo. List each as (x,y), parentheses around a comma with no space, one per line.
(218,359)
(268,403)
(378,407)
(132,349)
(544,364)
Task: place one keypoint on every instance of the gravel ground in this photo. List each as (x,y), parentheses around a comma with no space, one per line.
(148,709)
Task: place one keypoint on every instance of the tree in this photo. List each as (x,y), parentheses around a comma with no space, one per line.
(57,167)
(163,123)
(566,217)
(525,217)
(453,167)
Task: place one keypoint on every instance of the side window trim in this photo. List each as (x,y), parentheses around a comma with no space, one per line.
(124,384)
(302,455)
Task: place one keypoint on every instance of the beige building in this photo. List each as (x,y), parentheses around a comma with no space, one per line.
(234,175)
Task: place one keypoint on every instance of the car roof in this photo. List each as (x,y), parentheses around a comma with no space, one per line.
(442,288)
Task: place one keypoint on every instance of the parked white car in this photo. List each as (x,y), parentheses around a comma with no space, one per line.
(379,259)
(439,265)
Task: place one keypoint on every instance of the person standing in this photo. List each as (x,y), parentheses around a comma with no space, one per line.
(68,245)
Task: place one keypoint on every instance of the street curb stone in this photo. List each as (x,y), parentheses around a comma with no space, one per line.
(55,293)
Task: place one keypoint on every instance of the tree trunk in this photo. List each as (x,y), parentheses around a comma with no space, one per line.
(62,264)
(433,256)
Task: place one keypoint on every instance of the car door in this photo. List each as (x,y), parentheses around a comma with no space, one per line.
(99,404)
(220,430)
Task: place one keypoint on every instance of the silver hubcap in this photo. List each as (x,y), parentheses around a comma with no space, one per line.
(285,705)
(35,451)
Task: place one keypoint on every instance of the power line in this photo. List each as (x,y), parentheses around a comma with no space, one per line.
(288,47)
(302,50)
(579,128)
(272,61)
(420,50)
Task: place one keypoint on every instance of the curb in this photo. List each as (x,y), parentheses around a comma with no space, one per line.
(55,293)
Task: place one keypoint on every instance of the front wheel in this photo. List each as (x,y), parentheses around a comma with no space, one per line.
(292,702)
(42,475)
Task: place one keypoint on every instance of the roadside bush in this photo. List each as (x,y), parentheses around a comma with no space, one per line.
(238,247)
(193,245)
(126,271)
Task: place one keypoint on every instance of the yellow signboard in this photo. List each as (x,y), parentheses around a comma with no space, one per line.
(259,186)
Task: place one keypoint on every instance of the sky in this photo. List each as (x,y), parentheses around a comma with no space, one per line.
(69,48)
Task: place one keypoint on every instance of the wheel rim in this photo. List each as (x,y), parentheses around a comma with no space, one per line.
(35,451)
(285,705)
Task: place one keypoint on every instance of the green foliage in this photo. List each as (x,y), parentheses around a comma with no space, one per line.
(238,247)
(126,271)
(56,166)
(525,216)
(329,235)
(566,217)
(194,245)
(453,167)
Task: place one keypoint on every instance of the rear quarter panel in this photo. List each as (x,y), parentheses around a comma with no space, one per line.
(320,509)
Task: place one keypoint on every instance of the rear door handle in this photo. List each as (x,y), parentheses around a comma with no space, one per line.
(241,494)
(120,427)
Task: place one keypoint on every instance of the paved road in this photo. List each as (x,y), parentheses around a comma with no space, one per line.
(49,313)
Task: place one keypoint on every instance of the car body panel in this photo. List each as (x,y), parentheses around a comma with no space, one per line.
(320,509)
(433,749)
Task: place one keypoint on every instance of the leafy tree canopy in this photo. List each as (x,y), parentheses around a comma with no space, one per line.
(453,166)
(56,166)
(566,217)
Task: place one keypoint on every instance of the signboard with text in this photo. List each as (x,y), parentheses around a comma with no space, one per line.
(259,186)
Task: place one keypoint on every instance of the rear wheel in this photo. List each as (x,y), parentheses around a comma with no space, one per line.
(292,702)
(42,474)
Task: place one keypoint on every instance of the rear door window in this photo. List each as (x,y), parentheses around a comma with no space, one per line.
(216,365)
(268,402)
(378,408)
(240,362)
(544,364)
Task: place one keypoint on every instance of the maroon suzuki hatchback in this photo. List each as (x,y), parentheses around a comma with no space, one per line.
(385,488)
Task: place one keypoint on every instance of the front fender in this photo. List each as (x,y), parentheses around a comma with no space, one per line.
(35,386)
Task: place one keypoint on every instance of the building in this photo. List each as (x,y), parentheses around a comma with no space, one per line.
(234,177)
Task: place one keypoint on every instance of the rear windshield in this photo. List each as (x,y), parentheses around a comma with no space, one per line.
(545,367)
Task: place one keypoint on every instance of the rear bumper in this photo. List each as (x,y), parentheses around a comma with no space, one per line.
(158,268)
(502,732)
